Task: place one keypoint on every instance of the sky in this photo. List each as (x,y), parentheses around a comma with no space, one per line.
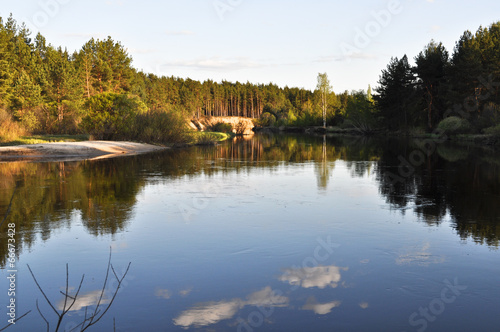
(260,41)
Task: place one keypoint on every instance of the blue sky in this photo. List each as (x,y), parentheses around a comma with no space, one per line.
(260,41)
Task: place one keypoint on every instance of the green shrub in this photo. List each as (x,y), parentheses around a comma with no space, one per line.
(10,130)
(220,127)
(495,130)
(209,138)
(161,126)
(454,125)
(267,120)
(111,115)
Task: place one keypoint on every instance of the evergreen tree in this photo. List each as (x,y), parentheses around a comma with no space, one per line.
(64,90)
(395,93)
(5,69)
(105,66)
(431,68)
(26,97)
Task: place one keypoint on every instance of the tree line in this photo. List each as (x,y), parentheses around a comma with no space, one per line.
(96,90)
(457,92)
(47,89)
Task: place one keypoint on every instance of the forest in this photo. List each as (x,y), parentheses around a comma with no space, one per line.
(97,91)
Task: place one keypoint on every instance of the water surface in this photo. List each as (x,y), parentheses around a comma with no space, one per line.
(290,233)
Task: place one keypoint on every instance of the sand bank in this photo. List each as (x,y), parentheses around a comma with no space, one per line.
(75,150)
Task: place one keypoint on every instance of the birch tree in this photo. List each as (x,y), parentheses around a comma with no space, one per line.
(324,89)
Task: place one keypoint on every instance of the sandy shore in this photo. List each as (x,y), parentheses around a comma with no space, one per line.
(75,150)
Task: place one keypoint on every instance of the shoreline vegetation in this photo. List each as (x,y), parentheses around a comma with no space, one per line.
(95,92)
(483,139)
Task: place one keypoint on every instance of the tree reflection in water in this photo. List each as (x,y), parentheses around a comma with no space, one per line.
(461,182)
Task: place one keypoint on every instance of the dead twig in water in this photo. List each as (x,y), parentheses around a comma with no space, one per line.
(70,300)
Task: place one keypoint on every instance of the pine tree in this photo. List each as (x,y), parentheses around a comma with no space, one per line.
(5,70)
(431,68)
(395,93)
(26,97)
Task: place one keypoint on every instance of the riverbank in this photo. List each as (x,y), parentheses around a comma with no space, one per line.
(64,151)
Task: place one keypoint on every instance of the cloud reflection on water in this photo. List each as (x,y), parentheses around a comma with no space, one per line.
(320,308)
(419,255)
(84,300)
(204,314)
(318,276)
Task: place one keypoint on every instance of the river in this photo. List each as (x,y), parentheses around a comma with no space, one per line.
(270,233)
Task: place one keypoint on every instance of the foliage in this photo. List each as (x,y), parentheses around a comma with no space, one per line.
(324,90)
(431,67)
(464,84)
(49,90)
(454,125)
(209,138)
(221,127)
(361,113)
(395,93)
(40,139)
(111,115)
(161,126)
(10,130)
(494,130)
(240,128)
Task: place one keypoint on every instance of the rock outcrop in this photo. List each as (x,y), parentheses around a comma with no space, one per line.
(241,126)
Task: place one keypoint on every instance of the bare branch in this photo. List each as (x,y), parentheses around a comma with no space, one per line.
(120,280)
(43,293)
(71,297)
(59,321)
(77,292)
(7,326)
(69,301)
(103,289)
(43,317)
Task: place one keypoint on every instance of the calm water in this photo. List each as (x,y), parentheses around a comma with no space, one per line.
(274,233)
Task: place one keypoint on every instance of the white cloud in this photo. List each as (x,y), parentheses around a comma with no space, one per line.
(347,57)
(81,35)
(362,56)
(435,28)
(179,33)
(215,64)
(143,50)
(114,3)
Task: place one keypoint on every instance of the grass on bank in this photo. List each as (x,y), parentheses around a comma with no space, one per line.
(40,139)
(209,138)
(196,138)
